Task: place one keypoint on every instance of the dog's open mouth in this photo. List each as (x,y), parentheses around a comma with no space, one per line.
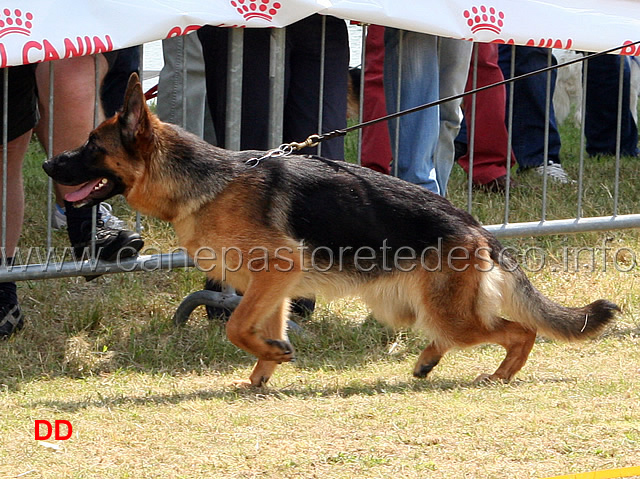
(89,191)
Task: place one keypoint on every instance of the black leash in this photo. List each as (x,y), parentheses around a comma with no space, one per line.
(289,148)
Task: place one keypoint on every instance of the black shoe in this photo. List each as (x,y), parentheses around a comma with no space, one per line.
(110,244)
(11,320)
(301,307)
(216,312)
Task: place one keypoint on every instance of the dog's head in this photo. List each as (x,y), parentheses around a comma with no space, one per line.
(114,156)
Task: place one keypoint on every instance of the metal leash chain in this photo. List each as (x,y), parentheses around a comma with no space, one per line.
(285,150)
(288,148)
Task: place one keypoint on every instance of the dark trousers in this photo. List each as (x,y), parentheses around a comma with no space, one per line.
(114,85)
(302,82)
(529,105)
(601,115)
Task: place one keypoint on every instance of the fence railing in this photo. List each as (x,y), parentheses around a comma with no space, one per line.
(277,99)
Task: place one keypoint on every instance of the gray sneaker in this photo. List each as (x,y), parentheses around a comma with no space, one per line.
(59,218)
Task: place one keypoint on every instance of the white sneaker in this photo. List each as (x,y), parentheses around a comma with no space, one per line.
(59,218)
(555,172)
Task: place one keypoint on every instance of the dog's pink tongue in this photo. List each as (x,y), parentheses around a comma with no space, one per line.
(82,193)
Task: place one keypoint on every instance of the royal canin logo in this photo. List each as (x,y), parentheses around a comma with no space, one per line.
(15,22)
(263,9)
(484,18)
(41,50)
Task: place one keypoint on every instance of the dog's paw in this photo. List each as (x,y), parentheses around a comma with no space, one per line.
(279,351)
(422,370)
(487,379)
(241,384)
(249,384)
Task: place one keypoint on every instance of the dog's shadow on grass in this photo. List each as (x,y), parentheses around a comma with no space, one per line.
(231,394)
(201,346)
(306,389)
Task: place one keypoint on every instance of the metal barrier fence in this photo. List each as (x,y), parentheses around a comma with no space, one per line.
(54,269)
(579,223)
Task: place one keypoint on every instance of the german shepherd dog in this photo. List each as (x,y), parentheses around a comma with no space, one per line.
(295,226)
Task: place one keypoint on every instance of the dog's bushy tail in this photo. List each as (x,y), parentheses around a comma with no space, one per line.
(523,303)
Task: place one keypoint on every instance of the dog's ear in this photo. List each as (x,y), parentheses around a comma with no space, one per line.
(134,117)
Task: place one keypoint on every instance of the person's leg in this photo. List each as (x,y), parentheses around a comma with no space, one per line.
(74,101)
(529,106)
(10,315)
(255,89)
(22,115)
(634,87)
(255,83)
(302,104)
(417,134)
(302,95)
(376,150)
(171,86)
(489,129)
(601,115)
(73,114)
(74,91)
(453,62)
(16,150)
(214,42)
(114,86)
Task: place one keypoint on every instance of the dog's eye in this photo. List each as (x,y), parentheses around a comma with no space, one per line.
(93,142)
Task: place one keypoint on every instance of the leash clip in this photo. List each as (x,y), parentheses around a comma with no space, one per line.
(312,141)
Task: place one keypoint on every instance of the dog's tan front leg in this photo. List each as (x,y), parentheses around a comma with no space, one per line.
(261,373)
(258,324)
(259,329)
(274,328)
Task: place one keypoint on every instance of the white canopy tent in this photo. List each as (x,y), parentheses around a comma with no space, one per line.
(40,30)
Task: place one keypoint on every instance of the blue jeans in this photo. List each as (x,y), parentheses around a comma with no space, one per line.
(529,105)
(601,114)
(431,67)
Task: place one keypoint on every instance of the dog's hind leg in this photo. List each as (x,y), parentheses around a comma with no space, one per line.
(517,340)
(428,359)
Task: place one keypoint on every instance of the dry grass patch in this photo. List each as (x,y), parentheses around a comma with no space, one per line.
(573,408)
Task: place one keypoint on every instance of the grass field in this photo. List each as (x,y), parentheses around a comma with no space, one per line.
(148,400)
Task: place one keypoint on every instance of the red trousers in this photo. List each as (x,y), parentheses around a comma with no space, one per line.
(490,137)
(376,148)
